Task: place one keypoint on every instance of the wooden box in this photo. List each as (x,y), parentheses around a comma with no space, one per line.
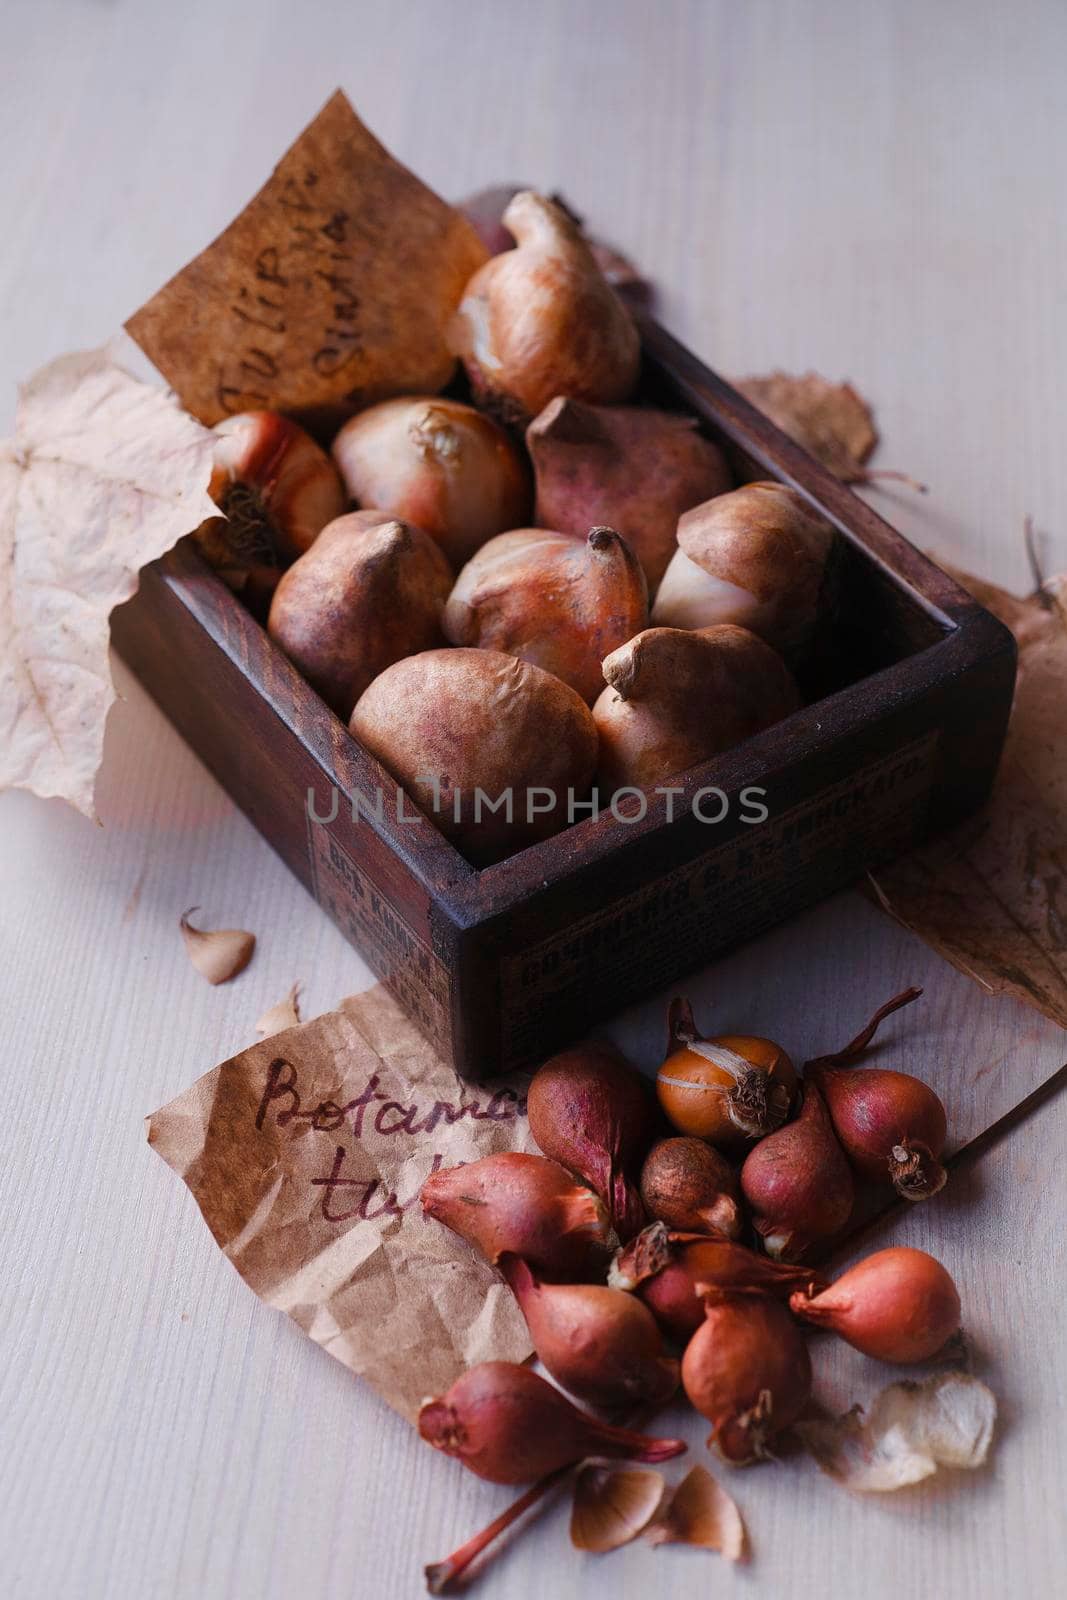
(503,965)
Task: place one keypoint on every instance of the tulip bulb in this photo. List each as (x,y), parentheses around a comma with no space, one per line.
(891,1126)
(523,1205)
(748,1371)
(897,1305)
(542,320)
(466,730)
(729,1090)
(276,489)
(599,1343)
(591,1111)
(506,1424)
(439,464)
(369,591)
(797,1182)
(548,599)
(624,466)
(687,1185)
(676,698)
(671,1273)
(758,557)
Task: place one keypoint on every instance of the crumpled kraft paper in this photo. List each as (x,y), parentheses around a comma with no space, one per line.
(331,290)
(306,1153)
(991,895)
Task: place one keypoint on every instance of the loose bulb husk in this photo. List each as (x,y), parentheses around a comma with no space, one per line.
(700,1512)
(612,1505)
(218,954)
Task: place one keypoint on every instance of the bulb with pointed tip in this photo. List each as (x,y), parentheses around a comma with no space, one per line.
(676,698)
(629,467)
(542,320)
(558,602)
(506,1424)
(759,558)
(599,1343)
(524,1205)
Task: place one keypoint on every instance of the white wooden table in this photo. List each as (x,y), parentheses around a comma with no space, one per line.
(875,190)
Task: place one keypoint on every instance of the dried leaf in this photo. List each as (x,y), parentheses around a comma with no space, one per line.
(830,420)
(103,475)
(913,1428)
(700,1512)
(329,291)
(612,1505)
(286,1014)
(991,895)
(218,954)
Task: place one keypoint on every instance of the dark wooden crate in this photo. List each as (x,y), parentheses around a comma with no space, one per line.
(500,966)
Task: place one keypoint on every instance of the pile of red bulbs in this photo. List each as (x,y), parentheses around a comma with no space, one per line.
(751,1142)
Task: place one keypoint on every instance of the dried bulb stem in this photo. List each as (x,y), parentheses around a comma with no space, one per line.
(442,1575)
(855,1047)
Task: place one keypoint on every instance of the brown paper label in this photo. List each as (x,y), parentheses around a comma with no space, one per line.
(330,290)
(306,1154)
(731,893)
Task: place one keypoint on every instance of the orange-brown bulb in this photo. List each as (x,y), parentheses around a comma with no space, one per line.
(729,1090)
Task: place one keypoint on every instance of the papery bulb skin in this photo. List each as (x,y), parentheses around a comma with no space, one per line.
(524,1205)
(687,1184)
(798,1183)
(370,591)
(507,1425)
(440,464)
(759,557)
(277,490)
(542,320)
(599,1343)
(898,1305)
(730,1090)
(891,1125)
(747,1370)
(676,698)
(625,467)
(560,603)
(592,1112)
(665,1269)
(464,730)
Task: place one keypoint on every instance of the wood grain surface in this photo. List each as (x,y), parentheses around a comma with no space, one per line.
(875,190)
